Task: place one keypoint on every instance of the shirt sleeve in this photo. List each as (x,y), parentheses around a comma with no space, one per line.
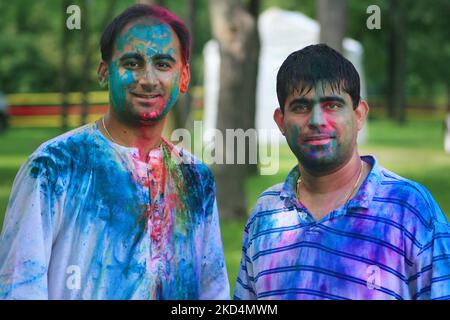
(244,289)
(214,283)
(26,239)
(433,260)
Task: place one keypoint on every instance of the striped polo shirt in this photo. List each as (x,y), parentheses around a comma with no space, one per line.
(390,241)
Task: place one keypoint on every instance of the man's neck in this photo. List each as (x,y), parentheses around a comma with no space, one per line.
(143,137)
(320,184)
(322,194)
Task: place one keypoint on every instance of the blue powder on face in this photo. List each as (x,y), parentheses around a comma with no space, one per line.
(149,40)
(118,83)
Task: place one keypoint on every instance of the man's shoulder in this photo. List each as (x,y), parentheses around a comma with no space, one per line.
(271,194)
(269,203)
(410,195)
(60,151)
(395,184)
(69,142)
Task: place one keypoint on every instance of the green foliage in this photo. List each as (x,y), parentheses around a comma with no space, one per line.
(201,33)
(428,46)
(28,56)
(30,42)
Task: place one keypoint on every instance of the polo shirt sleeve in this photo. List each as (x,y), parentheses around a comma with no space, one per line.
(434,260)
(244,289)
(26,239)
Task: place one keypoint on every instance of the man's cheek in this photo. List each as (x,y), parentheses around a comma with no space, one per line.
(174,92)
(127,78)
(347,133)
(293,136)
(120,82)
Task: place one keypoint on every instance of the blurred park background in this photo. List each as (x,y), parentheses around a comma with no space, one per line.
(48,79)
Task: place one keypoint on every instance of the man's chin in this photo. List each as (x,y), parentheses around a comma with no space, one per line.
(150,120)
(138,116)
(150,114)
(322,164)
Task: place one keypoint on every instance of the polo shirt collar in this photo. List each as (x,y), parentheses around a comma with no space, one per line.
(364,195)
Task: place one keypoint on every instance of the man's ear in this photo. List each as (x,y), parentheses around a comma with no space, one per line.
(102,74)
(278,116)
(361,112)
(185,78)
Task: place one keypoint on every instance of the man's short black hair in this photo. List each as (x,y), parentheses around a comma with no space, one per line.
(304,69)
(136,12)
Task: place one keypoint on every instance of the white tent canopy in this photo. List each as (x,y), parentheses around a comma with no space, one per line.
(281,33)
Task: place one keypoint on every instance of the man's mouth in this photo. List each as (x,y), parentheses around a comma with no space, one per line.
(318,139)
(148,99)
(146,95)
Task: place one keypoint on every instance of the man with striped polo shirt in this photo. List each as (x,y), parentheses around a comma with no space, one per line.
(340,226)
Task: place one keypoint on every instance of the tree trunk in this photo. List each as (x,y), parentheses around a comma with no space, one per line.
(253,66)
(64,68)
(85,72)
(235,28)
(397,61)
(331,15)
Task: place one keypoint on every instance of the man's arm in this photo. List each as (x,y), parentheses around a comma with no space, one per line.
(433,260)
(244,282)
(26,239)
(214,279)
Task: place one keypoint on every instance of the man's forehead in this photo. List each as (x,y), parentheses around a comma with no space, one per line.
(144,23)
(318,90)
(151,32)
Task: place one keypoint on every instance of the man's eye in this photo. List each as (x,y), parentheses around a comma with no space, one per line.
(131,64)
(162,65)
(332,106)
(300,108)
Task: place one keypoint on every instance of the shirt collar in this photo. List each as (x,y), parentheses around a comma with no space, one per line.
(367,190)
(176,153)
(363,196)
(290,184)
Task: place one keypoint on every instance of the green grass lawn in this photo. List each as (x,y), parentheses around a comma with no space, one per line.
(414,151)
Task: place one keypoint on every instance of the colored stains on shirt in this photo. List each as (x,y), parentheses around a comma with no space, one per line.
(391,241)
(84,201)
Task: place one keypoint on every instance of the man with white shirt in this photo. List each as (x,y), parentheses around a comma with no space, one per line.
(112,210)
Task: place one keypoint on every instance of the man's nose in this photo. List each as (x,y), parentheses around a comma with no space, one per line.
(147,77)
(317,116)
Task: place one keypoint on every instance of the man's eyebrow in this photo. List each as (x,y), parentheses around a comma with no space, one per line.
(332,98)
(302,100)
(163,56)
(132,55)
